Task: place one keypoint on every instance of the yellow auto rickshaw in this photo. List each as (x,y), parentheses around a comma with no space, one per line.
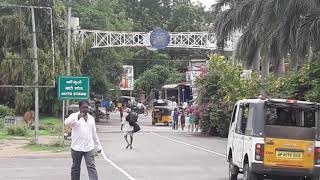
(161,114)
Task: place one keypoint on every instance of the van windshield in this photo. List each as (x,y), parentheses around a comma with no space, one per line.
(293,121)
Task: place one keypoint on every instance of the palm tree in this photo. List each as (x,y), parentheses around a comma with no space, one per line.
(289,28)
(277,29)
(237,18)
(309,33)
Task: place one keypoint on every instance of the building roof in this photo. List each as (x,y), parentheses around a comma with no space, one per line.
(174,86)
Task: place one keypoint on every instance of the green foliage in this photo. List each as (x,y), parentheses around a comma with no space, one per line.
(50,126)
(104,66)
(223,86)
(171,15)
(218,91)
(2,123)
(6,111)
(17,130)
(275,29)
(16,54)
(156,77)
(23,101)
(103,14)
(48,121)
(175,77)
(304,85)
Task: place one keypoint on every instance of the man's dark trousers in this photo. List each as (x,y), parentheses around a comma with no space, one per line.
(76,165)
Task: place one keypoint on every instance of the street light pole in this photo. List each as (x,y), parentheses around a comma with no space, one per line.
(69,49)
(36,77)
(69,39)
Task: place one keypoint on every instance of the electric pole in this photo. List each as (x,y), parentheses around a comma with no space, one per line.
(36,77)
(69,49)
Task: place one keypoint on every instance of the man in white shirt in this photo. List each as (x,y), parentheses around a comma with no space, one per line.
(84,139)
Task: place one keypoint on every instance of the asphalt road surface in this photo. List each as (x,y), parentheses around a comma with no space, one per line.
(159,153)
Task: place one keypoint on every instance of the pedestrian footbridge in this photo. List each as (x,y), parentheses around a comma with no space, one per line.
(196,40)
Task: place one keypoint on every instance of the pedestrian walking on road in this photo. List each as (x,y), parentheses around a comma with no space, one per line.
(84,139)
(190,122)
(175,119)
(183,120)
(127,128)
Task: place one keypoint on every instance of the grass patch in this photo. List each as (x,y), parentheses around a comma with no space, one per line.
(49,121)
(4,135)
(58,147)
(49,126)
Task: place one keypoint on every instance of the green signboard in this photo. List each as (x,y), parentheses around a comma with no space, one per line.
(73,87)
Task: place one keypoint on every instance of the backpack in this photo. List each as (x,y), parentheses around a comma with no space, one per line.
(132,118)
(136,127)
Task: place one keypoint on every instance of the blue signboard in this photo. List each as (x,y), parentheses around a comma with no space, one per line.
(159,38)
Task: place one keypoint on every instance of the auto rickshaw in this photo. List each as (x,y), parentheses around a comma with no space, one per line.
(126,101)
(161,114)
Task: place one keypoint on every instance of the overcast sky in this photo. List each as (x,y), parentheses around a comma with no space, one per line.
(207,3)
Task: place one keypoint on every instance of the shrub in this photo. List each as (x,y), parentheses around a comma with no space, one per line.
(6,111)
(1,123)
(17,130)
(23,101)
(218,91)
(57,129)
(223,86)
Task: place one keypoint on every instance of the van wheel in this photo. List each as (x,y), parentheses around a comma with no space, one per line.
(249,175)
(233,170)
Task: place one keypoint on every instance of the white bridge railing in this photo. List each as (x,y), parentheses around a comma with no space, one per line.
(198,40)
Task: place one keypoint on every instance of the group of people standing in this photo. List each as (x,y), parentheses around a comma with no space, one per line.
(183,117)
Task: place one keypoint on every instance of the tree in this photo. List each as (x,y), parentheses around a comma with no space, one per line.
(16,52)
(275,26)
(104,66)
(218,91)
(156,77)
(172,16)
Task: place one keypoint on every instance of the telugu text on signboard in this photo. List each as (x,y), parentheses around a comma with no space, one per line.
(9,120)
(73,87)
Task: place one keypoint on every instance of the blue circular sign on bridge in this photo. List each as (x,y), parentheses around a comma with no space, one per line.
(159,38)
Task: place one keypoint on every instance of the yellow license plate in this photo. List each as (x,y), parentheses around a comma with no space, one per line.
(289,155)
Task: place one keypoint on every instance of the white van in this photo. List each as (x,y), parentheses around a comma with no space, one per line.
(274,138)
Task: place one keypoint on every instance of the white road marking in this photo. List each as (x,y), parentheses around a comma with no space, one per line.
(194,146)
(116,166)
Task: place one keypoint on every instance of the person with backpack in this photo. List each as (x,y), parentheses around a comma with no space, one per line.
(130,126)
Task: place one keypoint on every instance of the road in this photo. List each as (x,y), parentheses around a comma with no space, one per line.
(159,153)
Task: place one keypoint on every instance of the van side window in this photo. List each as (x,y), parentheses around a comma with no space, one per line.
(234,113)
(242,119)
(233,117)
